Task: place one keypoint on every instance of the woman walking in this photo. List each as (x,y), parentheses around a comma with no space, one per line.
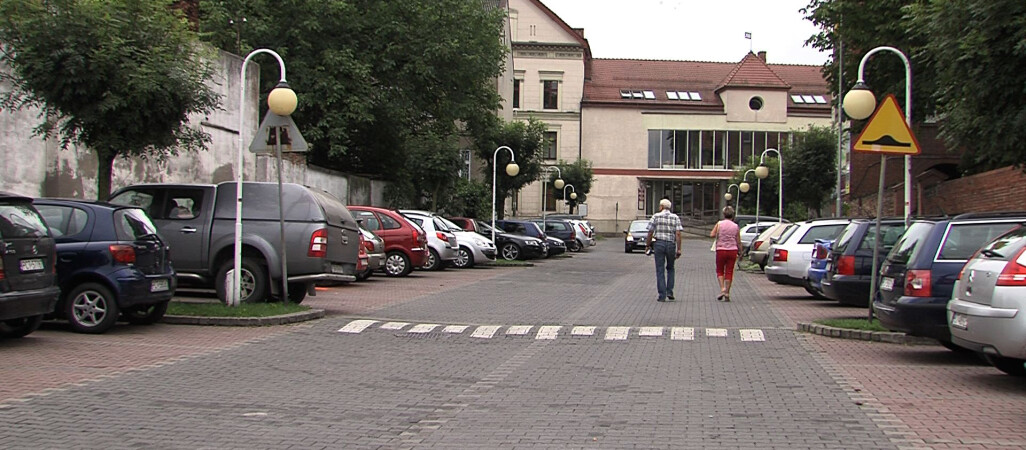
(728,250)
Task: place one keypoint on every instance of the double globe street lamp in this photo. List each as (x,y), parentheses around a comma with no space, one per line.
(762,172)
(512,169)
(728,196)
(558,183)
(573,194)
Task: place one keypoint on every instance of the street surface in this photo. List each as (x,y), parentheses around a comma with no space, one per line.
(572,353)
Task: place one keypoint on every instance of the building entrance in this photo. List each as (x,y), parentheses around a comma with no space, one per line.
(691,199)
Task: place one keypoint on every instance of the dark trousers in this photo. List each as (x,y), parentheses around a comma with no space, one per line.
(665,253)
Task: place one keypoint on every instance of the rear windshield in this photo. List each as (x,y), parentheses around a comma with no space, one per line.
(891,233)
(909,243)
(1007,246)
(21,221)
(842,241)
(964,239)
(133,224)
(821,232)
(450,224)
(787,233)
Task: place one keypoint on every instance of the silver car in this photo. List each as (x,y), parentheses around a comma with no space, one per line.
(442,244)
(751,231)
(474,248)
(791,255)
(987,310)
(375,248)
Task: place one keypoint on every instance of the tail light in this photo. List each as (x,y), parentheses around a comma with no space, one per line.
(419,238)
(583,230)
(757,245)
(917,283)
(821,252)
(1014,273)
(318,244)
(573,233)
(368,246)
(780,255)
(2,276)
(846,265)
(441,235)
(122,253)
(361,259)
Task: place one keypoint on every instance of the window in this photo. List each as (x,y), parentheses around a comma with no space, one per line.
(821,232)
(369,221)
(695,96)
(549,150)
(63,220)
(516,93)
(465,170)
(550,197)
(550,94)
(132,224)
(797,99)
(183,204)
(672,95)
(755,103)
(649,95)
(389,223)
(965,239)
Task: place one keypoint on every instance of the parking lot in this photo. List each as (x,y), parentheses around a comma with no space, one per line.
(573,352)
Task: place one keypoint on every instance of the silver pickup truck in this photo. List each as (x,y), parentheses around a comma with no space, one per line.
(198,221)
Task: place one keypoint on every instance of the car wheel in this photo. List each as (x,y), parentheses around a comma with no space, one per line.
(1011,366)
(91,308)
(253,280)
(363,275)
(16,328)
(434,262)
(814,293)
(397,264)
(146,315)
(574,245)
(510,251)
(297,292)
(464,258)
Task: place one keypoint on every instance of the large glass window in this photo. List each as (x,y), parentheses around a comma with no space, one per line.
(516,93)
(694,149)
(550,144)
(709,149)
(680,148)
(710,159)
(654,142)
(550,94)
(667,147)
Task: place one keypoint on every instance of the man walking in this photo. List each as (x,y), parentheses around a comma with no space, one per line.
(663,240)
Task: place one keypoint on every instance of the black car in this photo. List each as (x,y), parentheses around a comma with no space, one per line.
(28,278)
(636,235)
(513,246)
(553,246)
(111,264)
(850,260)
(562,230)
(918,275)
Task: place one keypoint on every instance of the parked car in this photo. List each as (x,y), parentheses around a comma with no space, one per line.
(511,246)
(198,222)
(918,275)
(744,220)
(585,233)
(110,263)
(28,267)
(442,244)
(374,248)
(556,246)
(790,256)
(847,276)
(987,311)
(474,248)
(405,241)
(818,267)
(635,234)
(553,246)
(562,230)
(750,232)
(759,252)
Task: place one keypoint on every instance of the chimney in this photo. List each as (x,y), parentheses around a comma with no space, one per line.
(762,56)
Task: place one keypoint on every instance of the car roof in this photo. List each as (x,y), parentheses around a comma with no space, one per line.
(82,202)
(10,196)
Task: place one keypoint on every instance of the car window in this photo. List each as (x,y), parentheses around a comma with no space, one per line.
(909,244)
(141,199)
(370,221)
(891,233)
(132,223)
(439,225)
(787,233)
(389,223)
(821,232)
(843,239)
(183,204)
(1006,246)
(461,223)
(21,221)
(964,239)
(416,220)
(450,224)
(63,220)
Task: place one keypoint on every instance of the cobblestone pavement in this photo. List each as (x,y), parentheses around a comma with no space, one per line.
(474,359)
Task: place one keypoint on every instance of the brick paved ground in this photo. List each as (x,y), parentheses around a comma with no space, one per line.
(308,386)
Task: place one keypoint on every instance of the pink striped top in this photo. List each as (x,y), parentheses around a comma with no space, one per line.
(726,235)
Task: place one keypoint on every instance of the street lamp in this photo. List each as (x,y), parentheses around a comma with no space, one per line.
(573,193)
(745,187)
(281,101)
(860,102)
(558,183)
(762,172)
(512,169)
(727,196)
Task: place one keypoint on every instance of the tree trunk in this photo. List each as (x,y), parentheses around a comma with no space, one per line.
(104,169)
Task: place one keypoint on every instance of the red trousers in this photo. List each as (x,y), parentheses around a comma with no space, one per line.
(725,260)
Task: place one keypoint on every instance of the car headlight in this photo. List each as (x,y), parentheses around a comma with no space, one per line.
(482,243)
(534,243)
(630,238)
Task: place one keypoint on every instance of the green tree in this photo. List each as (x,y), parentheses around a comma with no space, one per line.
(579,174)
(120,78)
(976,50)
(810,168)
(372,75)
(524,138)
(469,199)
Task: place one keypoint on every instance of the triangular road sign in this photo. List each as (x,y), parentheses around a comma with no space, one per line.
(887,132)
(271,128)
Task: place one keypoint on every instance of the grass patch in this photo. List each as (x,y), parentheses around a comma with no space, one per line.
(748,266)
(504,263)
(853,324)
(244,310)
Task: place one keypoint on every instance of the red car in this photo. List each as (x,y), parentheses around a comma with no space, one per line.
(405,242)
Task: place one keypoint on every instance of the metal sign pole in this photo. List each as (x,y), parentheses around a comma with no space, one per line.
(876,243)
(281,223)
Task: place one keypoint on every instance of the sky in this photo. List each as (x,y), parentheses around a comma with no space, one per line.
(693,30)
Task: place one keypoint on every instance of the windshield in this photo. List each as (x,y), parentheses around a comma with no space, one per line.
(639,226)
(1006,246)
(842,241)
(21,221)
(132,224)
(909,243)
(891,233)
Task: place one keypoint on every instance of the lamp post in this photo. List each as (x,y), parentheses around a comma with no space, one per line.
(745,187)
(573,193)
(558,183)
(762,172)
(727,196)
(281,101)
(859,103)
(512,169)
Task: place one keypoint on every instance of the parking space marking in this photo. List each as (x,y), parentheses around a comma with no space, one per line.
(518,330)
(682,334)
(752,336)
(583,331)
(651,331)
(357,326)
(455,329)
(547,332)
(617,333)
(423,328)
(394,325)
(716,332)
(485,331)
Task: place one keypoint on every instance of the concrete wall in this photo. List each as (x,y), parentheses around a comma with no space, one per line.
(736,105)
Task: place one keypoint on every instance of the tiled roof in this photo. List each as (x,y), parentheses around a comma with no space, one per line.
(609,76)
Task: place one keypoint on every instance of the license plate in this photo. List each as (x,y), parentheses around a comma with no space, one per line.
(338,268)
(887,284)
(158,285)
(960,321)
(31,265)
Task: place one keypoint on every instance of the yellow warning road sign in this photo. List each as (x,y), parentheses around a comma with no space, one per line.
(887,132)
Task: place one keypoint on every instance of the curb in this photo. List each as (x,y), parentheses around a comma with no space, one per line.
(245,321)
(864,335)
(492,264)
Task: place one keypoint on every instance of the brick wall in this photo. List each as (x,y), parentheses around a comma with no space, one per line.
(998,190)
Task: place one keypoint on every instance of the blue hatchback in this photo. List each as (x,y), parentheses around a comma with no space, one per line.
(110,263)
(818,268)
